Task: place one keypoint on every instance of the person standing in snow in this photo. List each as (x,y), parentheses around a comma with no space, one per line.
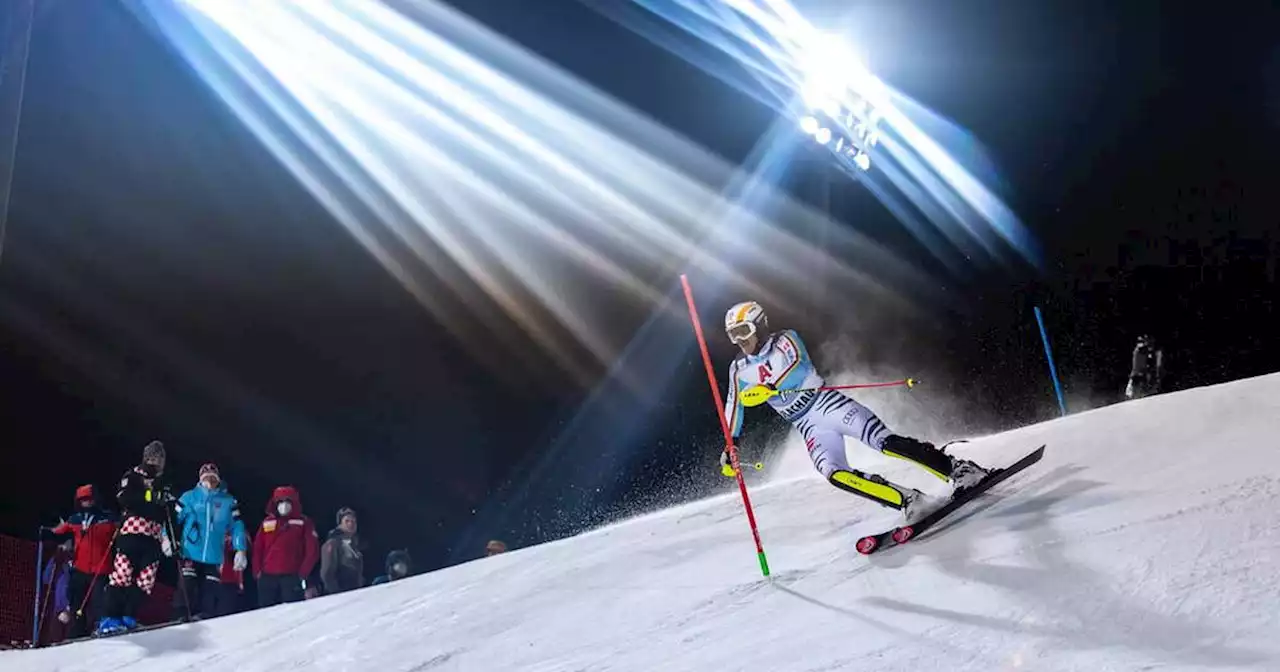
(206,514)
(285,549)
(399,565)
(93,530)
(780,362)
(1147,372)
(139,543)
(56,579)
(341,559)
(230,592)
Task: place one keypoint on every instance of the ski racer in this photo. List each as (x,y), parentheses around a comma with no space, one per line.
(780,362)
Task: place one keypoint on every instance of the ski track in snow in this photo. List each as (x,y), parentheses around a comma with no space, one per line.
(1145,540)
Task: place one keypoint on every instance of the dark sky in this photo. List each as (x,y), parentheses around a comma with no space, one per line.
(163,277)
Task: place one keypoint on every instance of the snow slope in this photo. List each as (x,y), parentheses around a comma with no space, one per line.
(1146,539)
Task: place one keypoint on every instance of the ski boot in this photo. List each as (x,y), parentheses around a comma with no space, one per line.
(109,626)
(129,622)
(966,474)
(922,453)
(916,505)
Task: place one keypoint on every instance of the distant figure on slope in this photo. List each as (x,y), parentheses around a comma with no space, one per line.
(1148,369)
(781,362)
(341,556)
(399,565)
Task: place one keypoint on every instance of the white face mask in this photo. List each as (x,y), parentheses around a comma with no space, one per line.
(284,508)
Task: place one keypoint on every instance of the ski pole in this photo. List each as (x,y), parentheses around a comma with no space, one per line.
(727,470)
(35,610)
(724,423)
(758,394)
(93,581)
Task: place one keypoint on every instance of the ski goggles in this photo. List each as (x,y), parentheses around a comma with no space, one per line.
(741,331)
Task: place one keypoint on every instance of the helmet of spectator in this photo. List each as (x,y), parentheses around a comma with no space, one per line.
(495,547)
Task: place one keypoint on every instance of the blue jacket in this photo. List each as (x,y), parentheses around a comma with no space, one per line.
(206,516)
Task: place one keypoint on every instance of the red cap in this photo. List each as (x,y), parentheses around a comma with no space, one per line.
(84,492)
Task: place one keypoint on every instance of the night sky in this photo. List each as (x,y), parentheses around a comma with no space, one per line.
(163,277)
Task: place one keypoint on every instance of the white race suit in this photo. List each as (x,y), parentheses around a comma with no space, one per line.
(823,417)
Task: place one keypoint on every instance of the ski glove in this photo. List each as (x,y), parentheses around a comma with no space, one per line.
(240,562)
(726,464)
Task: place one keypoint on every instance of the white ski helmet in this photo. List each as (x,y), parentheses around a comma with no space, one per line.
(744,321)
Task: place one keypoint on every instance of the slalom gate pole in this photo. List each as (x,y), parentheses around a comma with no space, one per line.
(35,609)
(1053,371)
(724,423)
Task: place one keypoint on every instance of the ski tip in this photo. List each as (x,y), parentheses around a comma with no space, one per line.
(867,545)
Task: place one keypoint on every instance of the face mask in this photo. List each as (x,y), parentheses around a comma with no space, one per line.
(284,508)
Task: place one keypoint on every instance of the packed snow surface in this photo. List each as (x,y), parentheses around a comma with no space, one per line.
(1148,538)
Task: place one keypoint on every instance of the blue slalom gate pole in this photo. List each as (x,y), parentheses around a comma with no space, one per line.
(35,609)
(1048,353)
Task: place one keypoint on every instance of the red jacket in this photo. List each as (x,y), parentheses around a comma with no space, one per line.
(285,545)
(94,530)
(228,570)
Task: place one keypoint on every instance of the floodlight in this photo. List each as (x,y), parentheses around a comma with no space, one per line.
(809,125)
(823,136)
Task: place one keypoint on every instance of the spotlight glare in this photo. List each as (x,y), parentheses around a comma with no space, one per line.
(823,136)
(809,125)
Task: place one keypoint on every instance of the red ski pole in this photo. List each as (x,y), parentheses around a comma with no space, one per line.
(724,423)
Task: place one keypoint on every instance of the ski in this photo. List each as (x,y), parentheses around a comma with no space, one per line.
(901,535)
(92,636)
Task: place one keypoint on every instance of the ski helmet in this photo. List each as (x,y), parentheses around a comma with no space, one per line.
(745,320)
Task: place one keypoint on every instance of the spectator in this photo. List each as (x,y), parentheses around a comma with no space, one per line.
(1147,373)
(153,454)
(494,547)
(93,530)
(285,550)
(55,578)
(206,514)
(230,592)
(341,560)
(138,545)
(398,566)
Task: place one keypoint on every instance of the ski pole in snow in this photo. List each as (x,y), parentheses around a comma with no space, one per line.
(35,611)
(724,422)
(758,394)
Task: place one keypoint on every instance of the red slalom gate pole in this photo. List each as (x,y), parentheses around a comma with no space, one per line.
(724,423)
